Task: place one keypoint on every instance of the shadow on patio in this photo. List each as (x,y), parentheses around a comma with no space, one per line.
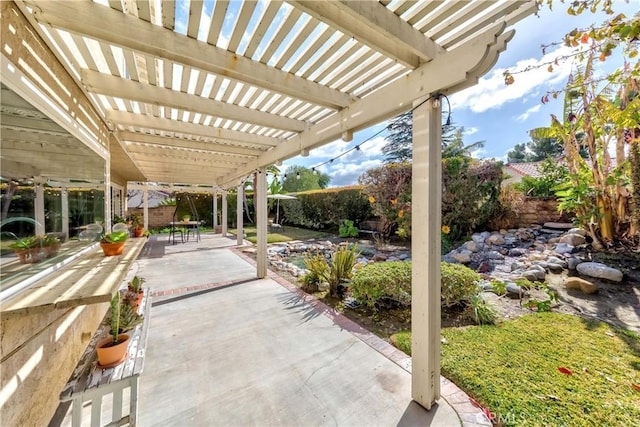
(225,348)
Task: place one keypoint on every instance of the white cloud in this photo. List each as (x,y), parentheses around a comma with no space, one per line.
(492,93)
(470,131)
(524,116)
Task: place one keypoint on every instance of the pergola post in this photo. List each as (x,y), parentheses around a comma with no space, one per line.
(240,215)
(224,214)
(107,194)
(215,210)
(145,207)
(39,209)
(260,201)
(64,203)
(426,216)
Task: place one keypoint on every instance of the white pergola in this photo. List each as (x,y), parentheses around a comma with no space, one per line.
(211,92)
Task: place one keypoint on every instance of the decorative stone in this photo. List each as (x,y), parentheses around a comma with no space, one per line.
(600,271)
(379,257)
(485,267)
(579,231)
(470,246)
(494,255)
(534,275)
(558,225)
(581,285)
(513,289)
(573,262)
(495,239)
(555,268)
(480,237)
(573,239)
(516,252)
(564,248)
(462,258)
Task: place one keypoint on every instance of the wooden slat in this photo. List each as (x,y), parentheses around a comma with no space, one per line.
(168,14)
(241,24)
(352,54)
(143,10)
(151,70)
(297,41)
(281,33)
(320,40)
(132,67)
(217,19)
(89,280)
(419,14)
(264,23)
(84,51)
(195,13)
(364,61)
(321,61)
(109,58)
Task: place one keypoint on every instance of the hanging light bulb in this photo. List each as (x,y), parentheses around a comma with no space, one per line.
(357,148)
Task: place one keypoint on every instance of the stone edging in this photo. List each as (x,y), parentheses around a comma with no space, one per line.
(470,414)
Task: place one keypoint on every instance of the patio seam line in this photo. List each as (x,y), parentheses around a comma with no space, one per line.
(461,406)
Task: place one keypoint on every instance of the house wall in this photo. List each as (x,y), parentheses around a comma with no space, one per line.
(160,216)
(39,353)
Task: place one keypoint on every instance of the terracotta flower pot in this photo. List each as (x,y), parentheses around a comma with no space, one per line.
(138,232)
(24,255)
(110,355)
(111,249)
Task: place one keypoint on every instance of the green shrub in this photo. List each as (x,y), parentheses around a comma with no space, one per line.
(388,280)
(318,268)
(341,268)
(326,209)
(459,283)
(482,312)
(347,229)
(552,174)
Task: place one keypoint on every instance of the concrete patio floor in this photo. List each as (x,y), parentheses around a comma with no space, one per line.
(227,349)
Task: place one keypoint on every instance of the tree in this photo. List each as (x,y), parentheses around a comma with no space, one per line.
(518,154)
(300,178)
(536,150)
(399,140)
(399,146)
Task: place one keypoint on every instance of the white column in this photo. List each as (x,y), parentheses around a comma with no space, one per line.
(64,203)
(215,210)
(240,215)
(426,215)
(224,214)
(145,207)
(260,202)
(124,200)
(38,208)
(107,194)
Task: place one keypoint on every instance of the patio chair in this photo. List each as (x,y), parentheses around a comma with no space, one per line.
(175,229)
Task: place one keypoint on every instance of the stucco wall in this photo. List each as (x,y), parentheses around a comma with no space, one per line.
(39,353)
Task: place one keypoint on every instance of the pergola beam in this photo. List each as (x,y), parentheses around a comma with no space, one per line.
(459,67)
(108,25)
(143,121)
(135,91)
(165,141)
(377,27)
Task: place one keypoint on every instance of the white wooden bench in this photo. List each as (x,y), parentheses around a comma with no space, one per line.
(90,383)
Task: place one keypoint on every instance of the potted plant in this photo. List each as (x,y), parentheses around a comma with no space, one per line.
(129,317)
(23,248)
(112,350)
(137,223)
(113,243)
(51,245)
(135,292)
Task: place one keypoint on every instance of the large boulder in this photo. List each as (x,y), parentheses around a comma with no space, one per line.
(600,271)
(573,239)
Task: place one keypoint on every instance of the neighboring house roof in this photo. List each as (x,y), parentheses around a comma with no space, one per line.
(525,169)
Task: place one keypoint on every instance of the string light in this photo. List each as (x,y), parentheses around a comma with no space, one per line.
(357,147)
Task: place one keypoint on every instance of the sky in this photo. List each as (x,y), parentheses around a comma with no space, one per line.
(492,112)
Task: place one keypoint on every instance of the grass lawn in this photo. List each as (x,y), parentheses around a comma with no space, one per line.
(289,233)
(512,369)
